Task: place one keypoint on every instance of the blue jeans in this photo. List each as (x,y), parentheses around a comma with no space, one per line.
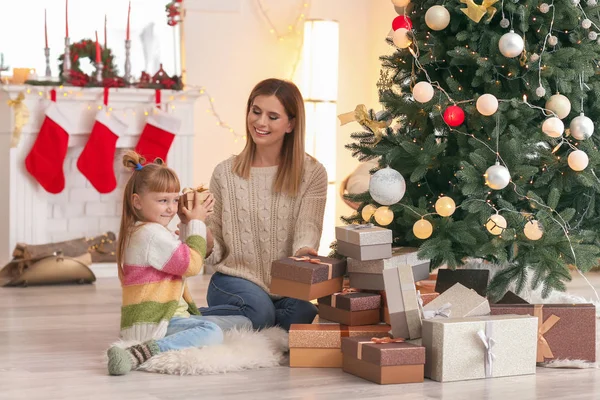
(197,331)
(230,295)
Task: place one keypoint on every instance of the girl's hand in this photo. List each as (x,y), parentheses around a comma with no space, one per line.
(199,211)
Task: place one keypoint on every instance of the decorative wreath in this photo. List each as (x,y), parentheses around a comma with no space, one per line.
(87,49)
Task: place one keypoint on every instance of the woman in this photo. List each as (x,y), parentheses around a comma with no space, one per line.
(269,204)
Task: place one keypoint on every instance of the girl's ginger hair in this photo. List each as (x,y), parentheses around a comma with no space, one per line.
(291,167)
(152,177)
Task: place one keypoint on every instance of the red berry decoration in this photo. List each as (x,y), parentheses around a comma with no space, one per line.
(454,116)
(402,22)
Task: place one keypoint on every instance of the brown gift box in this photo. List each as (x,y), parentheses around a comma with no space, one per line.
(187,198)
(351,318)
(319,345)
(565,331)
(366,281)
(307,278)
(385,362)
(351,308)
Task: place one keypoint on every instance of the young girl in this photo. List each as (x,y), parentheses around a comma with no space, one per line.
(153,265)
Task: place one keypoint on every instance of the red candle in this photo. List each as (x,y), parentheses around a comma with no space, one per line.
(105,32)
(128,15)
(98,50)
(45,28)
(67,17)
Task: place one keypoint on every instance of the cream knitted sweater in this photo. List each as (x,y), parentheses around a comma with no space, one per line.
(252,226)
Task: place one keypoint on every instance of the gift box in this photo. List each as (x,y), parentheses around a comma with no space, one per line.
(426,298)
(187,197)
(457,302)
(460,349)
(511,298)
(476,279)
(364,253)
(307,278)
(400,256)
(319,345)
(366,281)
(426,286)
(402,302)
(564,331)
(363,235)
(383,361)
(351,308)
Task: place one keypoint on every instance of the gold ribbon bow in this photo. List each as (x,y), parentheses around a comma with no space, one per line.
(315,261)
(21,113)
(198,189)
(361,115)
(543,348)
(376,340)
(476,11)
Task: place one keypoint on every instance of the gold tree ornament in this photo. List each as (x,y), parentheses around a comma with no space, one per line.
(385,82)
(21,115)
(476,11)
(361,115)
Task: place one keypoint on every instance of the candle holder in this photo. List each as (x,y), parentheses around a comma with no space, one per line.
(128,79)
(47,54)
(67,59)
(99,67)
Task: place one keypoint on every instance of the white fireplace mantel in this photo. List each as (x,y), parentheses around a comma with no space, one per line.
(30,214)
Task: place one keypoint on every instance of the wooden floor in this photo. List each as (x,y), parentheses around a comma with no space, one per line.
(52,341)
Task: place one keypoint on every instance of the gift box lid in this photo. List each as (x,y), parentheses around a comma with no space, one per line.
(313,269)
(383,353)
(457,302)
(330,335)
(476,279)
(353,301)
(363,235)
(400,256)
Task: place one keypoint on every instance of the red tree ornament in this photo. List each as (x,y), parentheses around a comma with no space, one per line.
(454,116)
(402,21)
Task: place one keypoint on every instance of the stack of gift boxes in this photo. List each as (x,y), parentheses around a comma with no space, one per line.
(391,326)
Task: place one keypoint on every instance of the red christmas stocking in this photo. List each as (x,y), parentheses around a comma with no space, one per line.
(157,136)
(97,158)
(46,158)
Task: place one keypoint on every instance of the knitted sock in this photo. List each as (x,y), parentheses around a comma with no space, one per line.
(121,361)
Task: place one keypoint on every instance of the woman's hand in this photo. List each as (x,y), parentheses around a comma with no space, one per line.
(198,211)
(306,251)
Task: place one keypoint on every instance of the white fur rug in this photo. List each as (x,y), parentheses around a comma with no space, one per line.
(241,350)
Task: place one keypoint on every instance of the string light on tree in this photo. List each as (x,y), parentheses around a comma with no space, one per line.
(497,176)
(552,40)
(384,216)
(422,229)
(544,8)
(454,116)
(487,104)
(387,186)
(533,230)
(437,18)
(581,127)
(540,91)
(511,45)
(368,211)
(496,224)
(423,92)
(445,206)
(578,160)
(559,105)
(553,127)
(504,23)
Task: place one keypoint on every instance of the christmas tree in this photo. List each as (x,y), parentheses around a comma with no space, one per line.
(480,164)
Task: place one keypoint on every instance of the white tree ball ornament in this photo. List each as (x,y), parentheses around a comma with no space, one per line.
(544,8)
(533,230)
(578,160)
(423,92)
(387,186)
(401,39)
(553,127)
(581,127)
(497,177)
(586,24)
(422,229)
(552,40)
(592,2)
(487,104)
(593,35)
(540,91)
(400,3)
(437,18)
(559,105)
(445,206)
(504,23)
(511,44)
(496,224)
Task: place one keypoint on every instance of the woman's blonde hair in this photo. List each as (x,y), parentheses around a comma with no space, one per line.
(291,166)
(153,177)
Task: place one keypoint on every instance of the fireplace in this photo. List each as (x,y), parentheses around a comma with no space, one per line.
(30,214)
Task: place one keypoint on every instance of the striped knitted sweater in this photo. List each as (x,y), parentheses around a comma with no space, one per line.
(154,266)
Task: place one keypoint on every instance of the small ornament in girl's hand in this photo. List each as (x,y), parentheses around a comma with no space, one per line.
(187,197)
